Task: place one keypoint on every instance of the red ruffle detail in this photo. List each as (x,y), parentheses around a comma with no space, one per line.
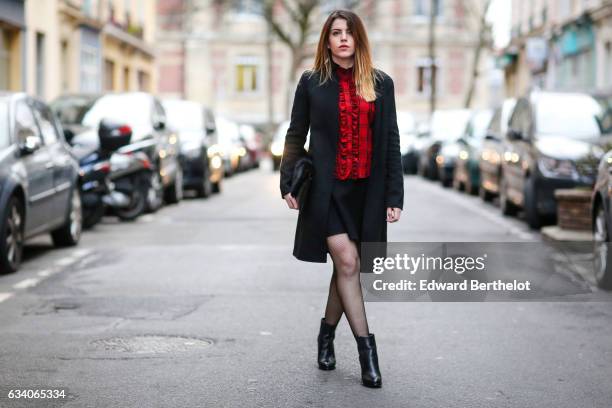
(353,159)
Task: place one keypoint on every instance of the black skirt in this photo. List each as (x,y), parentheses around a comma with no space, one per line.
(346,208)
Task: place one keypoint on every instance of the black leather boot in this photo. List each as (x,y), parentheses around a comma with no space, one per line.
(368,358)
(326,357)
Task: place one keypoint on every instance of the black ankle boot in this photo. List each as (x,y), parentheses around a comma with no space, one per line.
(326,358)
(368,358)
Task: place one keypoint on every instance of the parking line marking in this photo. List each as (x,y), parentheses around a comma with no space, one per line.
(4,296)
(79,253)
(45,272)
(65,261)
(26,283)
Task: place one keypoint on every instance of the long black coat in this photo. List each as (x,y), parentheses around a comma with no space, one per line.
(316,106)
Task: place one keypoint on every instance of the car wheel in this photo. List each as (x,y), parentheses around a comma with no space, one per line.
(205,189)
(530,204)
(11,244)
(70,233)
(217,187)
(484,194)
(137,205)
(506,206)
(155,193)
(601,249)
(174,194)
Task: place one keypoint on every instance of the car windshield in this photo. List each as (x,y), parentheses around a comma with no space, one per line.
(70,110)
(477,128)
(184,115)
(568,115)
(4,123)
(131,109)
(449,125)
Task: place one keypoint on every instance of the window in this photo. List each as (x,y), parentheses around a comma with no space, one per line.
(608,64)
(47,123)
(90,72)
(4,59)
(247,75)
(253,7)
(40,64)
(109,75)
(143,81)
(24,122)
(427,77)
(422,8)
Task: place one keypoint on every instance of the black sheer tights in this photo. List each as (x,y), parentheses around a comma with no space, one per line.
(345,287)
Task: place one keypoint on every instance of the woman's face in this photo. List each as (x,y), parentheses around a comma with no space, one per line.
(341,42)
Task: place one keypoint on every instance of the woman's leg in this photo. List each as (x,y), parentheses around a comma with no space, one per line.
(346,259)
(334,309)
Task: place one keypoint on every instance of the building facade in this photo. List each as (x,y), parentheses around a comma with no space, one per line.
(559,45)
(52,47)
(227,58)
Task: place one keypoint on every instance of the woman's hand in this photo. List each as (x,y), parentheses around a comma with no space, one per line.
(291,201)
(393,214)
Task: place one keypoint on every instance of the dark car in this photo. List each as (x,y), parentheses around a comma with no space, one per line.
(552,142)
(200,156)
(467,172)
(601,211)
(492,151)
(446,126)
(39,179)
(80,114)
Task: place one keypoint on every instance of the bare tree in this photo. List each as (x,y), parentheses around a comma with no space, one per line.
(483,41)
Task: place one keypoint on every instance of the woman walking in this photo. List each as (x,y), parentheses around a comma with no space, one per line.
(357,185)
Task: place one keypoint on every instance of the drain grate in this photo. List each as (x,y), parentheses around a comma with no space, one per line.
(151,344)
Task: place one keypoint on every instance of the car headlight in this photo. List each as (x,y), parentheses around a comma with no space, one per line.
(551,167)
(277,148)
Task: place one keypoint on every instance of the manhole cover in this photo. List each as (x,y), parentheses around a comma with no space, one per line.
(151,344)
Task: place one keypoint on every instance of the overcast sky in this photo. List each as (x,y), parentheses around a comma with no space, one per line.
(500,16)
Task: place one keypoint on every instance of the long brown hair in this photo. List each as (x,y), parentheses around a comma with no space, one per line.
(364,72)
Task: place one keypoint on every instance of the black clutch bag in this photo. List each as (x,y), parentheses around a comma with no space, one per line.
(301,179)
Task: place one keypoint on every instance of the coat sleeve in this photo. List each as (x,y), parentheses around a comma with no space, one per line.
(296,134)
(395,176)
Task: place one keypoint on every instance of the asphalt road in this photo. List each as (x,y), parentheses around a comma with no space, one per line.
(203,305)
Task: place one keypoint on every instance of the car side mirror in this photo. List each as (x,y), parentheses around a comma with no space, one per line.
(29,142)
(210,130)
(68,135)
(159,125)
(489,136)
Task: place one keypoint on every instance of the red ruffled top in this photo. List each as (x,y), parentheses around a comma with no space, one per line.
(354,154)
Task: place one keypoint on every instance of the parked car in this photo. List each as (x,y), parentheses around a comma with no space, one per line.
(80,114)
(467,172)
(407,127)
(39,179)
(552,142)
(492,151)
(446,126)
(200,156)
(278,143)
(253,141)
(601,211)
(230,146)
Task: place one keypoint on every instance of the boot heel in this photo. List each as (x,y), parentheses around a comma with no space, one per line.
(368,359)
(325,346)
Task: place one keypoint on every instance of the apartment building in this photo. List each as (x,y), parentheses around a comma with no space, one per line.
(559,45)
(227,58)
(52,47)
